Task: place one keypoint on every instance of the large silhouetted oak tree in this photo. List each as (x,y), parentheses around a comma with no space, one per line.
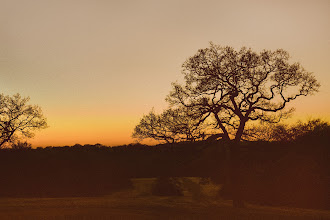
(18,119)
(235,87)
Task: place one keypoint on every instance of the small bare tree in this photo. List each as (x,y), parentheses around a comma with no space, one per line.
(18,119)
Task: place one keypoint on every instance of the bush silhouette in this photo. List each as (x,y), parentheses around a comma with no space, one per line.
(166,186)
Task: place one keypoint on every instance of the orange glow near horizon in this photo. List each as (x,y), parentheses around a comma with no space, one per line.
(109,132)
(86,130)
(95,67)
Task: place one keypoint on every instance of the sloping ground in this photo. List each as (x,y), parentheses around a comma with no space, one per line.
(138,203)
(126,206)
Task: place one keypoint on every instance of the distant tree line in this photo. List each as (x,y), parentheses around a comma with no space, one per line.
(292,173)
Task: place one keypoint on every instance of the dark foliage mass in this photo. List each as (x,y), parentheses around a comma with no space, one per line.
(293,173)
(57,172)
(90,170)
(167,186)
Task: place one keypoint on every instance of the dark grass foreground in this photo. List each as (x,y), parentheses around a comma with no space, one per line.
(127,205)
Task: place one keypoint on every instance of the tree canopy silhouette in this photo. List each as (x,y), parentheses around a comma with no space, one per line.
(172,125)
(288,132)
(240,86)
(18,119)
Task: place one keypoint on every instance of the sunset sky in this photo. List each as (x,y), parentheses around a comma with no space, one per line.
(96,66)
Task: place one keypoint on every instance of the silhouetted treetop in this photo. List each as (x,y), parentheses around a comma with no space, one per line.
(237,86)
(172,125)
(18,119)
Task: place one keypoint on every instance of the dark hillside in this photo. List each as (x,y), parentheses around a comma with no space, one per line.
(276,173)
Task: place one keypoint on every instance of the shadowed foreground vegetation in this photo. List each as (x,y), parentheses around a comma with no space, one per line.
(288,173)
(132,205)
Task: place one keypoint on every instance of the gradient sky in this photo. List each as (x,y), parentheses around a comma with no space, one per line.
(96,66)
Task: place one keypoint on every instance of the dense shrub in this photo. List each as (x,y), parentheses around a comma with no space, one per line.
(167,186)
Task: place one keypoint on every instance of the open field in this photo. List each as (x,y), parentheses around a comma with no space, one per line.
(138,203)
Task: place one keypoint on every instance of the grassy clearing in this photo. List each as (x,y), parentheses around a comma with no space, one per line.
(138,203)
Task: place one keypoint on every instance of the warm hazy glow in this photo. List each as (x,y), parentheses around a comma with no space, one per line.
(95,67)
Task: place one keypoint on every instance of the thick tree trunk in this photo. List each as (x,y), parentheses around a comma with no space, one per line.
(233,174)
(235,170)
(240,131)
(227,164)
(233,180)
(236,176)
